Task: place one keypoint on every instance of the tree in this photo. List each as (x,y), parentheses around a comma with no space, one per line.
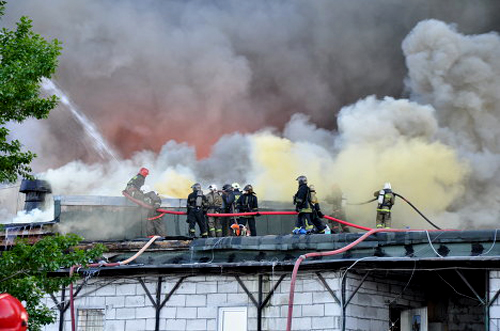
(25,272)
(25,58)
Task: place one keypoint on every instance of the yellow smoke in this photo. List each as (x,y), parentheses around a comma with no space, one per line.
(277,162)
(175,184)
(429,175)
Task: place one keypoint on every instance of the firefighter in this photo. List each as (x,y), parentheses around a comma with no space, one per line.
(154,223)
(385,201)
(248,202)
(228,201)
(214,205)
(13,315)
(317,215)
(196,204)
(236,191)
(302,202)
(134,185)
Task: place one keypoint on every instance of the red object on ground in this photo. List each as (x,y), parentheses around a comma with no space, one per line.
(13,315)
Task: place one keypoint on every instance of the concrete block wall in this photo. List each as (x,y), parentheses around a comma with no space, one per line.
(195,304)
(495,306)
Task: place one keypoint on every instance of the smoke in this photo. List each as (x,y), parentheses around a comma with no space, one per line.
(460,76)
(150,71)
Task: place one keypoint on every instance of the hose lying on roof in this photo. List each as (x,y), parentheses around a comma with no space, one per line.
(418,211)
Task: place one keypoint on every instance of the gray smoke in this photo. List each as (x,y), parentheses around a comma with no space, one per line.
(150,71)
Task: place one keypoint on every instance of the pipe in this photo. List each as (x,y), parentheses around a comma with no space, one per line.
(329,253)
(115,264)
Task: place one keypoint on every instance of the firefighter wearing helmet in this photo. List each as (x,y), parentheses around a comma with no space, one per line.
(246,203)
(302,202)
(135,183)
(228,200)
(13,315)
(214,205)
(385,201)
(196,208)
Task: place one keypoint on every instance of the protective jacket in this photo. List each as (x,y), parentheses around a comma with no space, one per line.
(214,202)
(386,199)
(302,199)
(152,199)
(247,203)
(136,182)
(228,201)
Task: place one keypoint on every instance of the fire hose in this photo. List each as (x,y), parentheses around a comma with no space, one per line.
(329,253)
(115,264)
(404,199)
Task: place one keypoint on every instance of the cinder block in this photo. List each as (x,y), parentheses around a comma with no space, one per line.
(196,300)
(303,298)
(228,287)
(112,325)
(332,309)
(115,301)
(216,299)
(176,324)
(196,324)
(279,299)
(323,323)
(177,300)
(106,291)
(313,310)
(126,289)
(302,323)
(271,312)
(145,312)
(168,312)
(277,324)
(137,324)
(204,288)
(95,301)
(212,325)
(186,288)
(238,299)
(125,313)
(323,297)
(186,313)
(203,312)
(135,301)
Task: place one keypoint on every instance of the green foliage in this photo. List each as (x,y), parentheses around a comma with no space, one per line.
(25,272)
(25,57)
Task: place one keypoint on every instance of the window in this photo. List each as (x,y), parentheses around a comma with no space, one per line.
(232,319)
(90,320)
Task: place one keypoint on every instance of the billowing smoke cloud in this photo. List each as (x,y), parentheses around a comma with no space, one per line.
(460,76)
(150,71)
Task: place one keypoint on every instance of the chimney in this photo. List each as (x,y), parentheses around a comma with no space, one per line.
(35,191)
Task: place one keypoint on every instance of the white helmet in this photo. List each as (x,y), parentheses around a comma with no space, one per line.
(235,186)
(213,187)
(387,186)
(145,188)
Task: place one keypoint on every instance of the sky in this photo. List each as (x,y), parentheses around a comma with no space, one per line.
(354,93)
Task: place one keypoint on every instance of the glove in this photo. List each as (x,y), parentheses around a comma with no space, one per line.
(258,214)
(320,214)
(297,209)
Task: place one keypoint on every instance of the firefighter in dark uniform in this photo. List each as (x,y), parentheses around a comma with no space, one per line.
(228,201)
(154,223)
(385,201)
(134,185)
(196,204)
(302,202)
(248,202)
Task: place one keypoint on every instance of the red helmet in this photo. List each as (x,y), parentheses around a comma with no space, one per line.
(144,172)
(13,316)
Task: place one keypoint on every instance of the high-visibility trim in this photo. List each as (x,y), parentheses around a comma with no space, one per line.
(384,210)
